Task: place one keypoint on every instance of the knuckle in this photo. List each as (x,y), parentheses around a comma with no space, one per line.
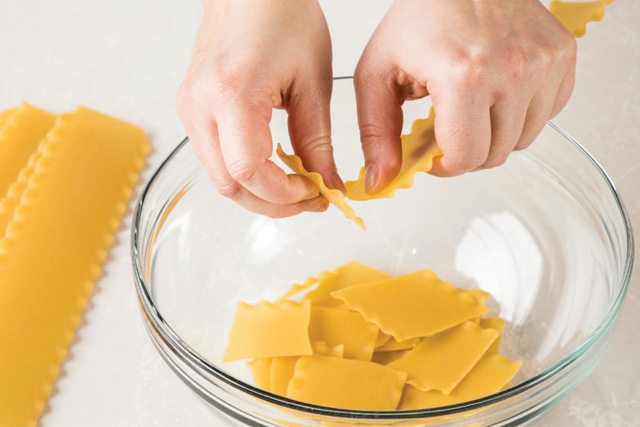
(226,87)
(571,48)
(186,96)
(242,170)
(495,161)
(561,51)
(371,72)
(545,54)
(318,144)
(468,70)
(370,136)
(228,80)
(516,60)
(227,189)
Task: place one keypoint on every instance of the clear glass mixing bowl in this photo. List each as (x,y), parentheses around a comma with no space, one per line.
(546,234)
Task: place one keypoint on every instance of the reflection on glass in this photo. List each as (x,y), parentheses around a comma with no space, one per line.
(499,253)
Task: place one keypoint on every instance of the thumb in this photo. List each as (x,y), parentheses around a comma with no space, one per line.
(310,128)
(380,121)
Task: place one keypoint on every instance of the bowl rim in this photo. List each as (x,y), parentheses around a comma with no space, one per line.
(186,353)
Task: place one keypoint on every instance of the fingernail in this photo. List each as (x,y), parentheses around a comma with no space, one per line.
(370,177)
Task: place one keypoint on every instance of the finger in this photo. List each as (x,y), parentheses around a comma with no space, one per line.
(246,145)
(310,128)
(463,132)
(203,138)
(507,123)
(539,112)
(380,121)
(249,201)
(564,92)
(206,146)
(547,104)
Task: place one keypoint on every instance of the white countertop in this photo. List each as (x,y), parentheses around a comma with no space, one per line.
(127,58)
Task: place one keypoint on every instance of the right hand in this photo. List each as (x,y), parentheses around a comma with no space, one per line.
(251,56)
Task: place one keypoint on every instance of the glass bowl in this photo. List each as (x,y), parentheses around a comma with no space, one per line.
(546,234)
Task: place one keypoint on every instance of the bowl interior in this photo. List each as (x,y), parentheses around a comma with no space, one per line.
(542,234)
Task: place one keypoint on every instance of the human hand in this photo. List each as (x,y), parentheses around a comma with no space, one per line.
(496,71)
(249,57)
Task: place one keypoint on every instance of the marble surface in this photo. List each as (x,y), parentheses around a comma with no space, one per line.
(127,58)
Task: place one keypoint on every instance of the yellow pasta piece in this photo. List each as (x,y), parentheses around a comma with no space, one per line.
(19,138)
(351,274)
(335,197)
(441,361)
(53,248)
(394,345)
(11,200)
(281,373)
(321,348)
(413,305)
(282,368)
(386,357)
(269,330)
(489,376)
(497,324)
(337,327)
(296,288)
(478,294)
(348,384)
(4,116)
(419,148)
(261,371)
(382,337)
(575,15)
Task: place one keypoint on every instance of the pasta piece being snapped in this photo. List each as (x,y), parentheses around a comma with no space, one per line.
(576,15)
(413,305)
(269,330)
(419,148)
(335,197)
(347,384)
(348,328)
(491,375)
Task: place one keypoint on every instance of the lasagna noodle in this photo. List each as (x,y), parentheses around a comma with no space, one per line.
(54,246)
